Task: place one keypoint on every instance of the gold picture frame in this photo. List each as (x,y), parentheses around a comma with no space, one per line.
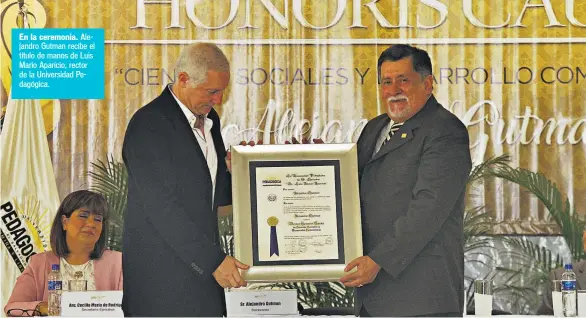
(296,211)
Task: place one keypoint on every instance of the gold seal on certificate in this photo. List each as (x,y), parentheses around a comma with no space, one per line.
(272,221)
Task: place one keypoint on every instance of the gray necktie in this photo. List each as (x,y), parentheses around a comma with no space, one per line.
(394,128)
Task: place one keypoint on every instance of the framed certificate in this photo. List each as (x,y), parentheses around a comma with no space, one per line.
(296,211)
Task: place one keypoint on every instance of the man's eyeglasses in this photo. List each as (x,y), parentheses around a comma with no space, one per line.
(23,312)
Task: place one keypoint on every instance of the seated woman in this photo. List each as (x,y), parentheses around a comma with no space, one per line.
(78,239)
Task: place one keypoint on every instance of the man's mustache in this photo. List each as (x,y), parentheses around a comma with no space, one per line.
(397,98)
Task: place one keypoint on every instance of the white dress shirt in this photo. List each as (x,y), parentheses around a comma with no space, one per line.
(205,140)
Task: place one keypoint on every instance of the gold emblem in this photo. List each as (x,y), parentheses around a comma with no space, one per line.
(23,14)
(272,221)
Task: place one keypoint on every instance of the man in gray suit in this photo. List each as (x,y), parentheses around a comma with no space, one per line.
(413,164)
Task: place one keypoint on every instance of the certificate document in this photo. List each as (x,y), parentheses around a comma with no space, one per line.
(296,212)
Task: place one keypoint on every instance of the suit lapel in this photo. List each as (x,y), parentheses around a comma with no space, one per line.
(371,138)
(217,136)
(401,137)
(407,132)
(183,127)
(219,147)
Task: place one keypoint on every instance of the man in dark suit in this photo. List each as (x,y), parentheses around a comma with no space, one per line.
(413,165)
(177,178)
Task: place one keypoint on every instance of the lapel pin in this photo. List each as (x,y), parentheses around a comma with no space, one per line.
(404,135)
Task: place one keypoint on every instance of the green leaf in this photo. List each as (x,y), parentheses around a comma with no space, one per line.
(569,222)
(110,178)
(480,171)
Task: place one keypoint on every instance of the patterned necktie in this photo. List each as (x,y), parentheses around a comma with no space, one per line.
(392,131)
(199,121)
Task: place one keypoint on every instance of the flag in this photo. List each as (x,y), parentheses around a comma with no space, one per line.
(28,192)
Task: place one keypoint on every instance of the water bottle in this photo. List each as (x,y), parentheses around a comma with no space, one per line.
(569,291)
(55,287)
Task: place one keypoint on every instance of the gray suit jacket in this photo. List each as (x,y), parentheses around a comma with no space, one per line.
(412,200)
(546,304)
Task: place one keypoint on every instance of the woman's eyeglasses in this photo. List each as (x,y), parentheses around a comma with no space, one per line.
(23,312)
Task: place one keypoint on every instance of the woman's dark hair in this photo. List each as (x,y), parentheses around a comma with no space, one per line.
(92,201)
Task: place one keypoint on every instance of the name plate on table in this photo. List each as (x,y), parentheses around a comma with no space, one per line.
(581,303)
(92,304)
(255,303)
(296,211)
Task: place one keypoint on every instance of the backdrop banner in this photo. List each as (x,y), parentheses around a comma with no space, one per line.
(513,71)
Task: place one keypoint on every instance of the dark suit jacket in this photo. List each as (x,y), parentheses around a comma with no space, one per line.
(412,199)
(171,241)
(547,304)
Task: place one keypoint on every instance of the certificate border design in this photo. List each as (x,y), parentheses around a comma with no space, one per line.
(253,165)
(346,154)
